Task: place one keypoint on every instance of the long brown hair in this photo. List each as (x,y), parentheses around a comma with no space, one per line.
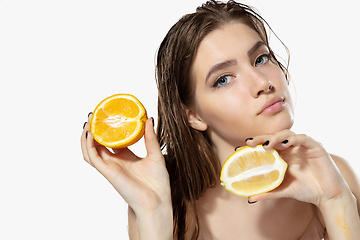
(193,166)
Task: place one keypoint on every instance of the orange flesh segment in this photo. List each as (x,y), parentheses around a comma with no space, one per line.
(118,121)
(114,115)
(108,133)
(123,107)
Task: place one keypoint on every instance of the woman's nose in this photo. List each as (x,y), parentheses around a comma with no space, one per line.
(268,87)
(259,84)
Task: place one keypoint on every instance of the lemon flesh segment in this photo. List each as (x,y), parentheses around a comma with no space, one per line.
(252,171)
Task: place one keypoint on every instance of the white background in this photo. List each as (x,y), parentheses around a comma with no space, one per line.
(59,58)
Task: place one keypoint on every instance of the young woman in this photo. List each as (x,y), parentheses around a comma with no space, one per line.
(221,86)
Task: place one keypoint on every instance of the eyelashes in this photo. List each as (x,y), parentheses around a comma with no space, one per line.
(262,59)
(225,79)
(222,81)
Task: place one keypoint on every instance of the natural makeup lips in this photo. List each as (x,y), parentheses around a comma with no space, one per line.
(272,106)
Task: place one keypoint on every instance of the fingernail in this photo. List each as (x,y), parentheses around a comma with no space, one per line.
(285,141)
(266,143)
(86,134)
(251,202)
(153,121)
(248,139)
(84,124)
(89,113)
(237,148)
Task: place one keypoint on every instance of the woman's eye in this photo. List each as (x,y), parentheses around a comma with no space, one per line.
(262,60)
(222,81)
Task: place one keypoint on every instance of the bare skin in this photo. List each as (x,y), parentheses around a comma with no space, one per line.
(230,106)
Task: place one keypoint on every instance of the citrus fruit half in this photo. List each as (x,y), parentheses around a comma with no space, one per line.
(252,171)
(118,121)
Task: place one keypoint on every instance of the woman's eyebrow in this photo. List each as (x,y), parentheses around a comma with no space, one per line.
(256,47)
(232,62)
(220,66)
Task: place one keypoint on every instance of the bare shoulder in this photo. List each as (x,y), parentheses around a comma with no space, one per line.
(349,175)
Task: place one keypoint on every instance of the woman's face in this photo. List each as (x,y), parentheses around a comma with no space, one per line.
(239,92)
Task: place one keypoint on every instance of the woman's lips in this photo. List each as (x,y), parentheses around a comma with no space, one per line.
(272,106)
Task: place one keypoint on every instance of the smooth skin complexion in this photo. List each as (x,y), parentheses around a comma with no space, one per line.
(240,94)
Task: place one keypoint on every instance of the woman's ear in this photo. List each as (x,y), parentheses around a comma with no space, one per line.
(195,121)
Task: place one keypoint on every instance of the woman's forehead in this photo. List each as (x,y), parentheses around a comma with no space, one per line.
(229,42)
(239,34)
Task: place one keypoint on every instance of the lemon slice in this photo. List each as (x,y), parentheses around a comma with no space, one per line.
(252,171)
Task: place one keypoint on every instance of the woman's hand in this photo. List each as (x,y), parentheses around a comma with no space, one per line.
(312,175)
(142,182)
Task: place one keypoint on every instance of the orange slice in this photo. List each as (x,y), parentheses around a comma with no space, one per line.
(118,121)
(252,171)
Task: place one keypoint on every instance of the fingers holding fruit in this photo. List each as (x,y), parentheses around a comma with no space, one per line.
(88,144)
(83,140)
(312,176)
(287,139)
(117,122)
(278,141)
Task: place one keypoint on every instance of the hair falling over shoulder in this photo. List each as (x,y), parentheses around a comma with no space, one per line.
(192,164)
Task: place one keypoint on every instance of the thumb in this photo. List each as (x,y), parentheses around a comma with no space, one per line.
(253,199)
(151,142)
